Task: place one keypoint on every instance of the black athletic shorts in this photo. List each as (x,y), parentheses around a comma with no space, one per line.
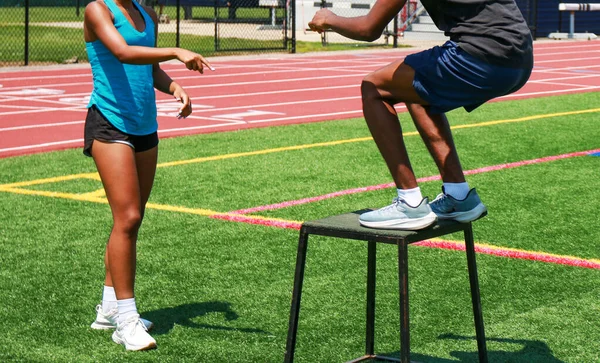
(97,127)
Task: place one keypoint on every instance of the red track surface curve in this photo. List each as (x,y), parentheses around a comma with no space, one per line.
(43,109)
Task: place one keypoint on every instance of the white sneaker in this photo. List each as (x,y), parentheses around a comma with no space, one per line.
(105,321)
(133,335)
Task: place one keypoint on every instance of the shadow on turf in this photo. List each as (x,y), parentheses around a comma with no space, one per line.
(184,315)
(532,351)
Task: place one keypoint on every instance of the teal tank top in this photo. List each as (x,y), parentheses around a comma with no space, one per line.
(124,93)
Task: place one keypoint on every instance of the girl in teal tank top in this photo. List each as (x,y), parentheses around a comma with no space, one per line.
(121,136)
(124,93)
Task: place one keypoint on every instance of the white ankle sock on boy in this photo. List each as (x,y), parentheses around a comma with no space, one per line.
(412,197)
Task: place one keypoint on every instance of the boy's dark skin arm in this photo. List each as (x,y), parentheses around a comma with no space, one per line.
(367,28)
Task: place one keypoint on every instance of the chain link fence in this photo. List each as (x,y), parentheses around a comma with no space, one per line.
(38,32)
(50,32)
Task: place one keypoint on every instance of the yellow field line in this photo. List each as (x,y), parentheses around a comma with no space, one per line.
(528,118)
(42,193)
(360,139)
(98,193)
(261,152)
(11,187)
(94,198)
(211,213)
(295,147)
(55,179)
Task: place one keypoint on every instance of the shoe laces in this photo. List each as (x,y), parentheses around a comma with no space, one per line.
(442,203)
(440,199)
(134,321)
(397,204)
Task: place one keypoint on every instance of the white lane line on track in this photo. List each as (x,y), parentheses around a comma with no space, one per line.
(569,60)
(55,124)
(163,131)
(31,92)
(563,53)
(233,84)
(563,84)
(181,68)
(204,98)
(288,103)
(41,99)
(547,69)
(558,91)
(567,70)
(575,45)
(44,109)
(241,115)
(198,98)
(196,112)
(263,72)
(565,78)
(38,146)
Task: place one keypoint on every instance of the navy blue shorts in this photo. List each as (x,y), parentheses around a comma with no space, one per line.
(447,77)
(97,127)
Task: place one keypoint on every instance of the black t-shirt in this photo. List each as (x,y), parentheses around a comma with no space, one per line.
(493,30)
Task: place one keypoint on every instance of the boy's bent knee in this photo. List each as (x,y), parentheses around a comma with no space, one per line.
(369,90)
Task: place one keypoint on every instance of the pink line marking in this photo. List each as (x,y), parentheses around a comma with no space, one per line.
(509,253)
(425,179)
(313,199)
(257,221)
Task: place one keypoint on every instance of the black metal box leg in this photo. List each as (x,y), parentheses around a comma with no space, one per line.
(371,274)
(475,296)
(296,296)
(403,282)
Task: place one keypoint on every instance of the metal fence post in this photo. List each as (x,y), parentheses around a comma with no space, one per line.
(535,18)
(293,26)
(26,57)
(177,44)
(396,31)
(217,38)
(324,33)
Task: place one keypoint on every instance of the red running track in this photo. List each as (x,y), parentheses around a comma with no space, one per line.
(43,109)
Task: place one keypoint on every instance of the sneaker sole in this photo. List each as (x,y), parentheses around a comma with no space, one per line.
(413,224)
(108,326)
(117,339)
(102,326)
(474,214)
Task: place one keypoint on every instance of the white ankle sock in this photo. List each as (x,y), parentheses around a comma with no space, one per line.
(109,299)
(127,308)
(457,191)
(412,197)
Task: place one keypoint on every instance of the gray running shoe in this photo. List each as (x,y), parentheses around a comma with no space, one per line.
(469,209)
(400,215)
